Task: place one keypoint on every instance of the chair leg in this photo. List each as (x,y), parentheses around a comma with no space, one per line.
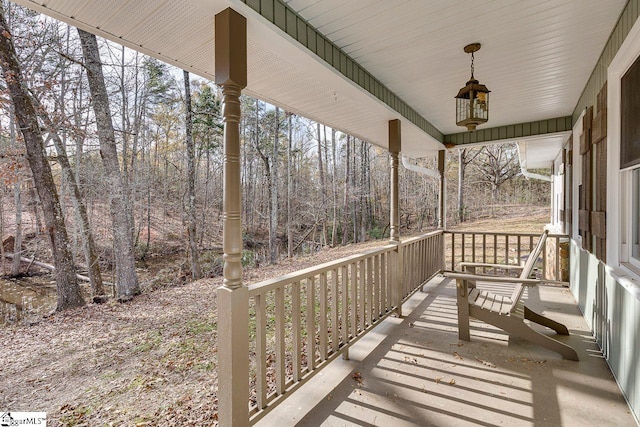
(545,321)
(521,329)
(463,316)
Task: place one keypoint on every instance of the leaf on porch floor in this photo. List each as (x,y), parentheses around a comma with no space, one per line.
(484,362)
(457,356)
(438,379)
(411,359)
(357,377)
(411,325)
(452,381)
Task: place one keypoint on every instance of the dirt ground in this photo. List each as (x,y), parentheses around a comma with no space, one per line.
(151,361)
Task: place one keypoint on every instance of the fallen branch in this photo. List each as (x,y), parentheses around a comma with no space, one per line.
(32,261)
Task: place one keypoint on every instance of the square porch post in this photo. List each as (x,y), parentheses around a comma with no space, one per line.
(442,209)
(395,146)
(442,201)
(233,297)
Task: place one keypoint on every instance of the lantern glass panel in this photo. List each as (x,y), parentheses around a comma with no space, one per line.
(463,109)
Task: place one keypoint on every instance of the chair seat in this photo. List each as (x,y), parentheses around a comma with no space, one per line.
(491,302)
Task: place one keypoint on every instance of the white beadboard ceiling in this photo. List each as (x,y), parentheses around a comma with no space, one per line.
(536,55)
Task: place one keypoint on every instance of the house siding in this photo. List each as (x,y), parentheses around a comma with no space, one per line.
(613,313)
(599,75)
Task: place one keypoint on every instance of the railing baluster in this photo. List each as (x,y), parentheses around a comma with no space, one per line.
(519,251)
(323,316)
(311,323)
(376,287)
(484,251)
(362,283)
(261,350)
(295,330)
(369,301)
(354,298)
(495,248)
(335,329)
(453,251)
(344,293)
(383,282)
(473,247)
(463,246)
(280,356)
(506,249)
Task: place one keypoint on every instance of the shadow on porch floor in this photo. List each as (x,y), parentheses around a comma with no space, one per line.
(415,371)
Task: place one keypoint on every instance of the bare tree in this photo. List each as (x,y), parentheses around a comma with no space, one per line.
(465,157)
(497,164)
(196,272)
(273,214)
(68,291)
(88,243)
(126,278)
(289,187)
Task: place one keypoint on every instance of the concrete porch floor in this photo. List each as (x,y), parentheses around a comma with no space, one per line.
(415,371)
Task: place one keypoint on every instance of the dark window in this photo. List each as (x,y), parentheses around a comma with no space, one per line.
(630,117)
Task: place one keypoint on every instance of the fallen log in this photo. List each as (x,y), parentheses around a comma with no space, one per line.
(32,261)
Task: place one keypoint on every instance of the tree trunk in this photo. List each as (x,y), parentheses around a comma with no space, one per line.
(345,205)
(461,169)
(196,272)
(17,242)
(126,279)
(323,190)
(289,190)
(334,190)
(273,215)
(68,291)
(88,243)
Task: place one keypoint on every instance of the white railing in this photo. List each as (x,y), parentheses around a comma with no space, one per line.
(508,248)
(301,321)
(423,258)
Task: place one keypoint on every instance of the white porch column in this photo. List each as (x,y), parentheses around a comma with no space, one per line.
(233,303)
(395,146)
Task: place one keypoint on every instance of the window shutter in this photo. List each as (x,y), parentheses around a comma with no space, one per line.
(599,139)
(586,189)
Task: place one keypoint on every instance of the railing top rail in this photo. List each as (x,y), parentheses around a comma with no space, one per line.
(276,282)
(421,237)
(491,233)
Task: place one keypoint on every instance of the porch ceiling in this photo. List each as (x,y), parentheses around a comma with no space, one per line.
(536,55)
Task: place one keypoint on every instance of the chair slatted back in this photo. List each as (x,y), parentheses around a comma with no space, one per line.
(528,268)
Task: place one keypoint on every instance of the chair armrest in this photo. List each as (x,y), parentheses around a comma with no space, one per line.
(481,264)
(488,278)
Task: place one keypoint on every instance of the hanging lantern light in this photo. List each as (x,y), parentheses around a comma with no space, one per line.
(472,101)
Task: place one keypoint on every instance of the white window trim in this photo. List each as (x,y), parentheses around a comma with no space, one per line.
(618,182)
(576,169)
(628,210)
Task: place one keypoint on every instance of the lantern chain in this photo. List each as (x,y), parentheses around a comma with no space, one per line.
(472,58)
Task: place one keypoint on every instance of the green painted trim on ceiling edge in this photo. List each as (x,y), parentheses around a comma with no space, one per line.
(599,74)
(520,130)
(283,17)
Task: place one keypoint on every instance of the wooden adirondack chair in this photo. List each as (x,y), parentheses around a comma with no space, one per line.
(506,313)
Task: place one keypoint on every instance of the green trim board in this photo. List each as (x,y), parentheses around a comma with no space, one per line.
(285,18)
(520,130)
(598,76)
